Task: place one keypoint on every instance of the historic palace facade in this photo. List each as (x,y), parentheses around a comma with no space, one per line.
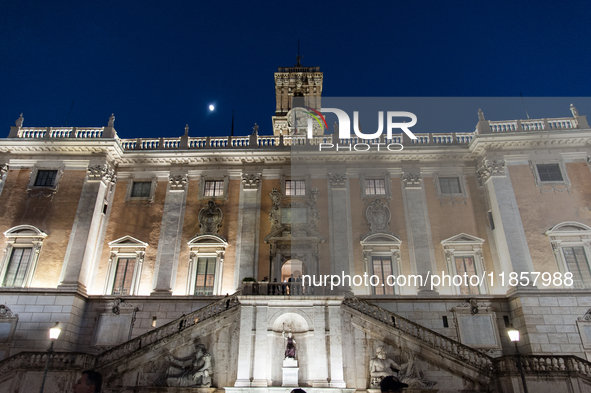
(207,262)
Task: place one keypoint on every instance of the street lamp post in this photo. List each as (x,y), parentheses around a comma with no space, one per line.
(514,336)
(54,333)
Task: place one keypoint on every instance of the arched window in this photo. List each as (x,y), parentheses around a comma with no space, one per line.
(20,256)
(381,255)
(206,265)
(125,266)
(571,242)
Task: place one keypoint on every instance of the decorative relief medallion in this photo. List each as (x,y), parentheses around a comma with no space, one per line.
(210,219)
(378,216)
(251,181)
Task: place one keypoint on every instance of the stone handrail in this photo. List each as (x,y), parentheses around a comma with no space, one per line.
(38,360)
(127,348)
(442,343)
(533,364)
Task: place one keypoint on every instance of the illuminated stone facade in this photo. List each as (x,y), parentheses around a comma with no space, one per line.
(141,240)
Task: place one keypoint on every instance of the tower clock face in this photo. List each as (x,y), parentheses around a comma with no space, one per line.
(297,121)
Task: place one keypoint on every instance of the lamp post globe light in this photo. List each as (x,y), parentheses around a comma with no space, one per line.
(54,333)
(514,336)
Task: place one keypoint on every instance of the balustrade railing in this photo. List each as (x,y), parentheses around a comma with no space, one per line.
(179,324)
(265,288)
(38,360)
(533,364)
(428,336)
(533,125)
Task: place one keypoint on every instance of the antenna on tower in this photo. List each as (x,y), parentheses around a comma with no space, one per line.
(523,102)
(298,56)
(70,112)
(232,134)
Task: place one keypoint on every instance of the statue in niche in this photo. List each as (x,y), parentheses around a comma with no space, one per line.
(380,367)
(210,219)
(290,349)
(410,374)
(194,370)
(378,217)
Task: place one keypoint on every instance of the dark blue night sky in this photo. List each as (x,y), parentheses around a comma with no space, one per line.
(158,65)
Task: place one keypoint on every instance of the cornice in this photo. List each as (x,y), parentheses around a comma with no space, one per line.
(499,144)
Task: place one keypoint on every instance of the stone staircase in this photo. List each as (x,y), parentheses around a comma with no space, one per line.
(499,370)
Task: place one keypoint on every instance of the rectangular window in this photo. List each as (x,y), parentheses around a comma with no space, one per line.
(549,172)
(123,276)
(578,265)
(382,267)
(17,267)
(295,187)
(45,178)
(141,189)
(205,276)
(450,185)
(214,188)
(466,265)
(375,187)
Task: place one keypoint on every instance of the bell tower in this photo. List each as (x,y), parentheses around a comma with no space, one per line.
(296,81)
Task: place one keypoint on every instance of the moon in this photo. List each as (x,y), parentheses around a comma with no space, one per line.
(211,107)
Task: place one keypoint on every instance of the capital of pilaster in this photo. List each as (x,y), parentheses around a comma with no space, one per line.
(337,180)
(178,182)
(251,181)
(412,180)
(488,168)
(3,171)
(101,172)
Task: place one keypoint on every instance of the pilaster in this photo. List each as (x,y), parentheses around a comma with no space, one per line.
(169,244)
(261,350)
(245,348)
(509,235)
(336,347)
(422,256)
(340,224)
(247,238)
(84,239)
